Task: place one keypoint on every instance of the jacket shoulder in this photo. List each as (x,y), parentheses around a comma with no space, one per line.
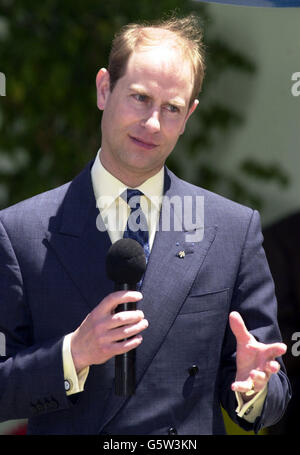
(214,203)
(29,214)
(40,208)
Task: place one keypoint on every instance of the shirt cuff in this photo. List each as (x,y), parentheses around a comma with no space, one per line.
(74,382)
(253,408)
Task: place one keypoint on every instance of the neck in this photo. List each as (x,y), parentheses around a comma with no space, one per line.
(128,178)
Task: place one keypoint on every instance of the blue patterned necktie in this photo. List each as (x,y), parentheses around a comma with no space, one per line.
(136,227)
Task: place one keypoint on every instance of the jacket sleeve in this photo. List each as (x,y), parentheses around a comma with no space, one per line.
(254,298)
(31,375)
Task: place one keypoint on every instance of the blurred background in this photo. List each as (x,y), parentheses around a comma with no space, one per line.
(242,142)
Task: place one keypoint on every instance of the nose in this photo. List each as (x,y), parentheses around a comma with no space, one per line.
(152,122)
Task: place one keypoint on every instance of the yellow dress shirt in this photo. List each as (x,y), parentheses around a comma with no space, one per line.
(114,212)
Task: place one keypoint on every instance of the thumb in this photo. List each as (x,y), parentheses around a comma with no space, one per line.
(238,328)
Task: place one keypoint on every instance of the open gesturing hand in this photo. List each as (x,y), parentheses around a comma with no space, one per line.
(255,361)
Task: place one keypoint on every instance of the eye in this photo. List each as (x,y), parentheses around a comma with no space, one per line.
(140,98)
(172,108)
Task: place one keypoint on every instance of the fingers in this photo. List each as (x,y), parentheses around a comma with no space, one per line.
(121,325)
(266,355)
(104,334)
(272,367)
(238,328)
(257,379)
(127,345)
(113,327)
(275,350)
(260,379)
(119,340)
(128,330)
(242,386)
(244,337)
(256,382)
(124,318)
(111,301)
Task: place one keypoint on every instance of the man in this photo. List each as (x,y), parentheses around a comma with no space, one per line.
(193,350)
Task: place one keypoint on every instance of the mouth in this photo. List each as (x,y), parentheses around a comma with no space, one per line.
(142,143)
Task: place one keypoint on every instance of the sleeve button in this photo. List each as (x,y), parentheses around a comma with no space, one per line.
(68,385)
(248,410)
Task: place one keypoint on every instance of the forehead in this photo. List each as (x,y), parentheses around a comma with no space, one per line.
(162,66)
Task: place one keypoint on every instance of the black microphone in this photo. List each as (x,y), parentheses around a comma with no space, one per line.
(125,265)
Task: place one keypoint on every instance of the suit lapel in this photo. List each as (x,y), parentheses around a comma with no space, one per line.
(168,279)
(77,242)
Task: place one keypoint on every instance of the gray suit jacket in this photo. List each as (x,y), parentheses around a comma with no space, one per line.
(52,273)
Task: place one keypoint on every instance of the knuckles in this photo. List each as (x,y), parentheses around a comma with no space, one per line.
(128,317)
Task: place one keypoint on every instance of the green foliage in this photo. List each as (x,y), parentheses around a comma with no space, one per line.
(50,52)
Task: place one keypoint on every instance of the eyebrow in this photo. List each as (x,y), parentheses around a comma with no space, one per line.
(142,91)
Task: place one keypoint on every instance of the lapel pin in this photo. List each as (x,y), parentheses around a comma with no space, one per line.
(181,254)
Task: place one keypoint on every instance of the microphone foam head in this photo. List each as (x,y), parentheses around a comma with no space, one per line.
(125,261)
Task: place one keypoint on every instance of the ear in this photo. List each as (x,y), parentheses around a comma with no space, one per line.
(103,88)
(190,111)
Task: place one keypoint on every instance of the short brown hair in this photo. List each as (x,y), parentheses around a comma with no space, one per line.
(189,37)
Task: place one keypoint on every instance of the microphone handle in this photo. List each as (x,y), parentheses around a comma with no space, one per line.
(125,363)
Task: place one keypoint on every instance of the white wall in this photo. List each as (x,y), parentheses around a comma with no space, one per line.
(270,37)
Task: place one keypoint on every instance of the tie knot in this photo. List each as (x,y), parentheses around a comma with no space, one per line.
(132,193)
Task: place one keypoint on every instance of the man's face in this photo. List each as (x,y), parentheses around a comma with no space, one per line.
(145,113)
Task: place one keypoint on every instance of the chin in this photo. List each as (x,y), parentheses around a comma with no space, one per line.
(138,160)
(143,168)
